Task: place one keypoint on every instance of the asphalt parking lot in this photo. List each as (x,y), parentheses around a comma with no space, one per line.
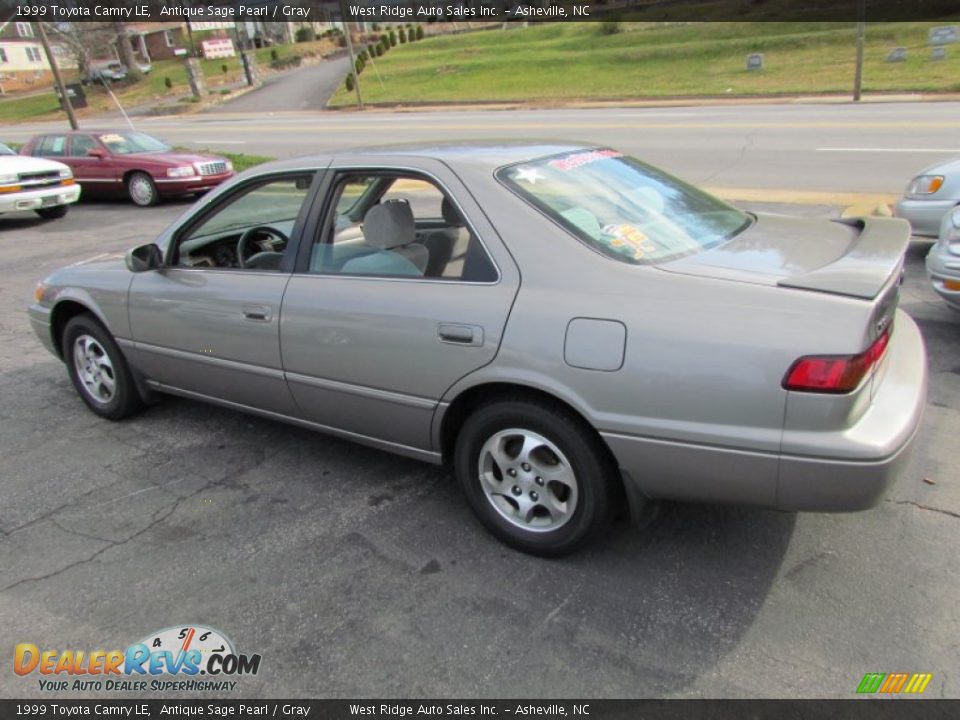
(356,573)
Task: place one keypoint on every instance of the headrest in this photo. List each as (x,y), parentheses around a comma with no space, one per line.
(450,214)
(389,225)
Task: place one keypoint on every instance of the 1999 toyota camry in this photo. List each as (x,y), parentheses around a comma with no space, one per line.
(569,327)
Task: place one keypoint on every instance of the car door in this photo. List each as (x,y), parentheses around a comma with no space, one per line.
(370,346)
(96,174)
(203,325)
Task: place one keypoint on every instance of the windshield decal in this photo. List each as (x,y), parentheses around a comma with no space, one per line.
(530,175)
(569,162)
(628,238)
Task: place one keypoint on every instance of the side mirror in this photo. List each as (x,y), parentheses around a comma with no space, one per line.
(143,258)
(97,153)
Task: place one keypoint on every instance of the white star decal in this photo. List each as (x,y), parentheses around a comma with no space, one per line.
(530,175)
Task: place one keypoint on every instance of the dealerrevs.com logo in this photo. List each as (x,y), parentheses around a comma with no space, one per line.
(183,658)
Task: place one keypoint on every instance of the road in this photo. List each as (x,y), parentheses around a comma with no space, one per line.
(306,88)
(820,153)
(359,574)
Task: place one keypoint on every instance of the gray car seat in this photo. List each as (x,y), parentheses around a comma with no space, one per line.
(390,228)
(440,243)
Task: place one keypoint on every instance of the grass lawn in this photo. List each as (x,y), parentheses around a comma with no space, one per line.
(153,86)
(649,60)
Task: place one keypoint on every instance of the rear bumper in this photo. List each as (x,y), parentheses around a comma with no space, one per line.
(924,216)
(34,199)
(839,471)
(185,186)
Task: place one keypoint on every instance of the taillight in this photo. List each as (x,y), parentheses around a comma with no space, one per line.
(835,373)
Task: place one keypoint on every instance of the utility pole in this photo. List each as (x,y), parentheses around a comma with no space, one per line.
(353,60)
(57,80)
(861,30)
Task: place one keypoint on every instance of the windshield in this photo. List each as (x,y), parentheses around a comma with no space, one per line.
(128,143)
(624,208)
(4,150)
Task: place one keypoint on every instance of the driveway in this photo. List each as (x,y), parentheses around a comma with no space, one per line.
(306,88)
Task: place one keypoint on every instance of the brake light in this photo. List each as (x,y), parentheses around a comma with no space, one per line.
(835,373)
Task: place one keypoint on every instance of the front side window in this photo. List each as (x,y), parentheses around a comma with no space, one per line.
(394,225)
(81,144)
(624,208)
(129,143)
(250,230)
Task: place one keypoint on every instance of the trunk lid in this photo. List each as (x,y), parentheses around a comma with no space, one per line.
(856,257)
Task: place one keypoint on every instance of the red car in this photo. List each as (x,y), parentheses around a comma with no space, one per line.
(114,163)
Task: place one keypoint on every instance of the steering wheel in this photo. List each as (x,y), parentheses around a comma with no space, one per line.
(248,234)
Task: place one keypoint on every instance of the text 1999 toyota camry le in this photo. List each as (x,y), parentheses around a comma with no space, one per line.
(567,326)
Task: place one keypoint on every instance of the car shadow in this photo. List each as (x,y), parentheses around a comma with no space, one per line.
(356,561)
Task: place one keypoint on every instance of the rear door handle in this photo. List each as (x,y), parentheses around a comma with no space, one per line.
(457,334)
(258,313)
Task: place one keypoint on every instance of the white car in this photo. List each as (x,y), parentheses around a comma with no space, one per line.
(30,183)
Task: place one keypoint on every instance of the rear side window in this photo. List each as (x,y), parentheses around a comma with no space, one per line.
(51,146)
(624,208)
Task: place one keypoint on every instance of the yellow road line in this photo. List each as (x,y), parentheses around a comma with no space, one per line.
(802,197)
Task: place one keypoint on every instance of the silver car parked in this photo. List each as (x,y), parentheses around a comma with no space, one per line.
(943,260)
(930,196)
(568,327)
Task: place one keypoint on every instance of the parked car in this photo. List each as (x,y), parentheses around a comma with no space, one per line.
(48,188)
(943,260)
(145,68)
(115,163)
(662,343)
(930,196)
(112,70)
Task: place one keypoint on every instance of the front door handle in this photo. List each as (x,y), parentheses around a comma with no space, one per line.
(258,313)
(457,334)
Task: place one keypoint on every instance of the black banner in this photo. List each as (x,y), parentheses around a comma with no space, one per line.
(865,709)
(476,11)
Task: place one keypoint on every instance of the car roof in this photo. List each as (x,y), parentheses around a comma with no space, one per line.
(488,155)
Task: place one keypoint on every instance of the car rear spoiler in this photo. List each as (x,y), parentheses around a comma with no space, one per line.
(867,266)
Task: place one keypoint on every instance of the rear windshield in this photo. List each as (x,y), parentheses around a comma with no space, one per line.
(624,208)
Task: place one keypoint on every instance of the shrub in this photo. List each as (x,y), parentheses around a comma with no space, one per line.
(349,83)
(274,55)
(305,34)
(362,55)
(168,83)
(375,27)
(378,49)
(402,36)
(224,69)
(610,27)
(384,44)
(419,32)
(358,66)
(392,38)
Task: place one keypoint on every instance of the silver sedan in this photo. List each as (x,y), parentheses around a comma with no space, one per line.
(930,196)
(943,260)
(572,330)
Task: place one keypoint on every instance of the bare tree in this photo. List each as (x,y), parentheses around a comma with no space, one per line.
(125,48)
(83,40)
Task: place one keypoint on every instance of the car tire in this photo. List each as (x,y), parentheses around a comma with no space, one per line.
(98,370)
(53,213)
(142,190)
(537,478)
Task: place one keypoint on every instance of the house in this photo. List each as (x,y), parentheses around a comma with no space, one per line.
(157,40)
(23,64)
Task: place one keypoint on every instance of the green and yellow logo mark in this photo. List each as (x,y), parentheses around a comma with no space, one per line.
(894,683)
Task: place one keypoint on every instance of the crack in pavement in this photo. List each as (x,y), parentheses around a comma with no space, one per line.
(950,513)
(157,518)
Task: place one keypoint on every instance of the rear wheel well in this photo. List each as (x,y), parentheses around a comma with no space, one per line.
(62,313)
(472,398)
